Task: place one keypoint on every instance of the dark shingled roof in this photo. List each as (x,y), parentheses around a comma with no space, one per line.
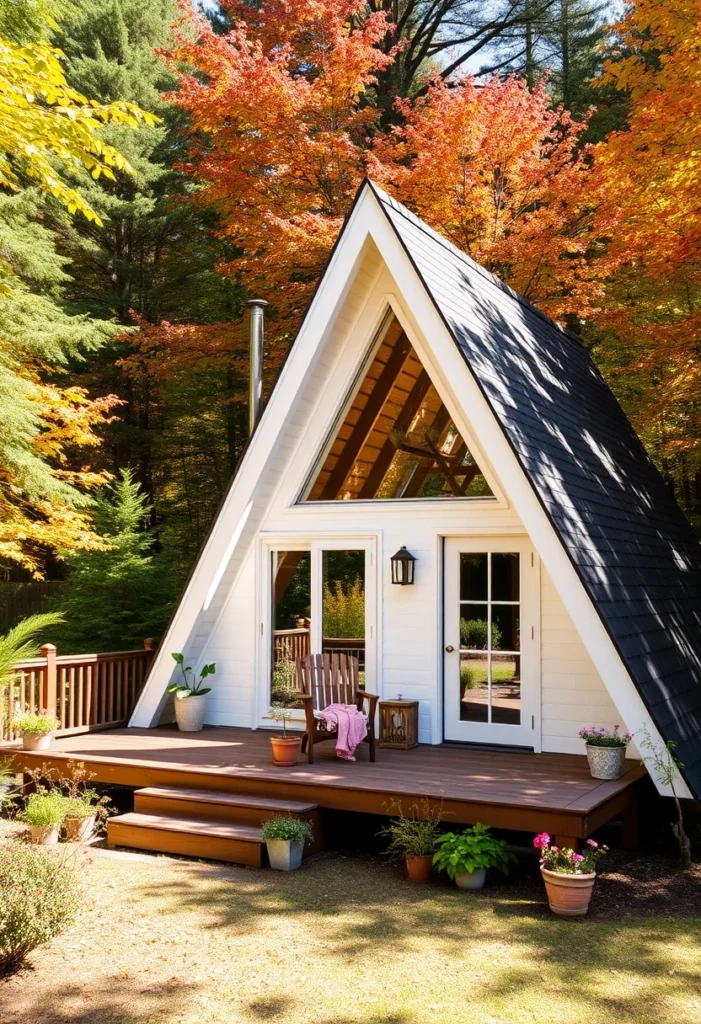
(623,531)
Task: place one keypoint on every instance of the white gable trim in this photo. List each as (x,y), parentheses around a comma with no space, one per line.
(244,505)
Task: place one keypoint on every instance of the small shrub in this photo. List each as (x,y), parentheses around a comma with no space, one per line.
(39,897)
(36,724)
(461,853)
(344,609)
(283,827)
(474,633)
(80,807)
(44,808)
(414,834)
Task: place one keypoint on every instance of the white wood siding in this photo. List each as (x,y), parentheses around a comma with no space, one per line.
(573,693)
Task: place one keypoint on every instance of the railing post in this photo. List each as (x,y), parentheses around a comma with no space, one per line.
(148,643)
(48,651)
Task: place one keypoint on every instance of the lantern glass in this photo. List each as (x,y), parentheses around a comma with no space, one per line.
(403,567)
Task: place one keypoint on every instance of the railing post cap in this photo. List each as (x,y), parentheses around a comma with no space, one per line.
(47,648)
(148,643)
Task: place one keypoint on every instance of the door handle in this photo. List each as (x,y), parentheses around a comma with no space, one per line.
(450,649)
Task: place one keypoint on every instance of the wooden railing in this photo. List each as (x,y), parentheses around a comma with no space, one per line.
(86,692)
(290,644)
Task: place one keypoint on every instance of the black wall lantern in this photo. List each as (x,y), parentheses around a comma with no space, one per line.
(402,567)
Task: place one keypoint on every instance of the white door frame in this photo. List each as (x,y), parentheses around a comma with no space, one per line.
(528,733)
(316,545)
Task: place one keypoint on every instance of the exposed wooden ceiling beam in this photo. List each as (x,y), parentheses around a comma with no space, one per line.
(402,424)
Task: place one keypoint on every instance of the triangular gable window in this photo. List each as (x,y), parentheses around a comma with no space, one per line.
(397,439)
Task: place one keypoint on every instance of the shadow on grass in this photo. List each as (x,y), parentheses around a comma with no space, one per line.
(358,909)
(117,1001)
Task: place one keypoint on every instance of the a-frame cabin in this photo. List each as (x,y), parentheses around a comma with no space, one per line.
(425,405)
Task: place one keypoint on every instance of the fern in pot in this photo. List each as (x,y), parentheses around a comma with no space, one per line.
(285,838)
(413,838)
(190,695)
(467,856)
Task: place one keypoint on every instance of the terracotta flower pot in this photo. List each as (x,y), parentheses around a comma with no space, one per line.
(79,830)
(44,835)
(190,711)
(605,762)
(568,895)
(285,751)
(37,741)
(418,867)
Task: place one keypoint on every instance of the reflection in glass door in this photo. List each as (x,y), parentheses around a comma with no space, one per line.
(486,693)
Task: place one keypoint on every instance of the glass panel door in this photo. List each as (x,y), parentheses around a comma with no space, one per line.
(487,698)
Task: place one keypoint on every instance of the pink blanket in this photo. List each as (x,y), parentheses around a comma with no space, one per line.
(350,724)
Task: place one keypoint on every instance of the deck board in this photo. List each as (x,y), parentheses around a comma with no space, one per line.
(503,788)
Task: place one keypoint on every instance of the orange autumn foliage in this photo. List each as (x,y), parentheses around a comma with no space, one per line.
(649,181)
(286,131)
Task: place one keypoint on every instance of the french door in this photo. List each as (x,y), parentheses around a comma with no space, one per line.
(491,669)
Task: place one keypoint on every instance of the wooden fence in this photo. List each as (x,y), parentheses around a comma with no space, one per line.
(86,692)
(290,644)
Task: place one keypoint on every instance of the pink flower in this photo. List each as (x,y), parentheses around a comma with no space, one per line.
(555,849)
(541,841)
(590,842)
(577,858)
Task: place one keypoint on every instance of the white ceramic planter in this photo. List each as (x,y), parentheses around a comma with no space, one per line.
(471,879)
(79,830)
(190,711)
(35,741)
(606,762)
(284,855)
(44,835)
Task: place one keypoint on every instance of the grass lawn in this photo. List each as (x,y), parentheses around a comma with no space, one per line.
(344,941)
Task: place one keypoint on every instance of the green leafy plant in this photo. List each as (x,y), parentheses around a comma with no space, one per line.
(47,808)
(282,826)
(190,687)
(21,642)
(35,723)
(665,764)
(39,897)
(414,834)
(461,853)
(474,633)
(80,807)
(565,861)
(280,712)
(594,737)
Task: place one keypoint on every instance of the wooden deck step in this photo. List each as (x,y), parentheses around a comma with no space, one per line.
(211,840)
(210,805)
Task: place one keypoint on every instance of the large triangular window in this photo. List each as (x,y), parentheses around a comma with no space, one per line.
(397,439)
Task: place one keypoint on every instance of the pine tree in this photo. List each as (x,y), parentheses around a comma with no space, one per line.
(117,597)
(156,257)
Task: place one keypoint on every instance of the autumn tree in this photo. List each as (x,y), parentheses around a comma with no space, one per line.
(648,180)
(286,135)
(46,129)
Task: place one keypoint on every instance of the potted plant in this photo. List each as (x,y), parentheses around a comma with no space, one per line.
(190,695)
(7,781)
(466,856)
(285,748)
(606,751)
(44,812)
(284,839)
(37,729)
(413,838)
(80,817)
(569,876)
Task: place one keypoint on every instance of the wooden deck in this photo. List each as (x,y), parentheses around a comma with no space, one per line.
(519,791)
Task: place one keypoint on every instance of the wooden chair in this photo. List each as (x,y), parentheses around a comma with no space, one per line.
(324,679)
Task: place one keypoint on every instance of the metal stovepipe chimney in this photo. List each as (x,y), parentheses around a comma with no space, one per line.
(255,383)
